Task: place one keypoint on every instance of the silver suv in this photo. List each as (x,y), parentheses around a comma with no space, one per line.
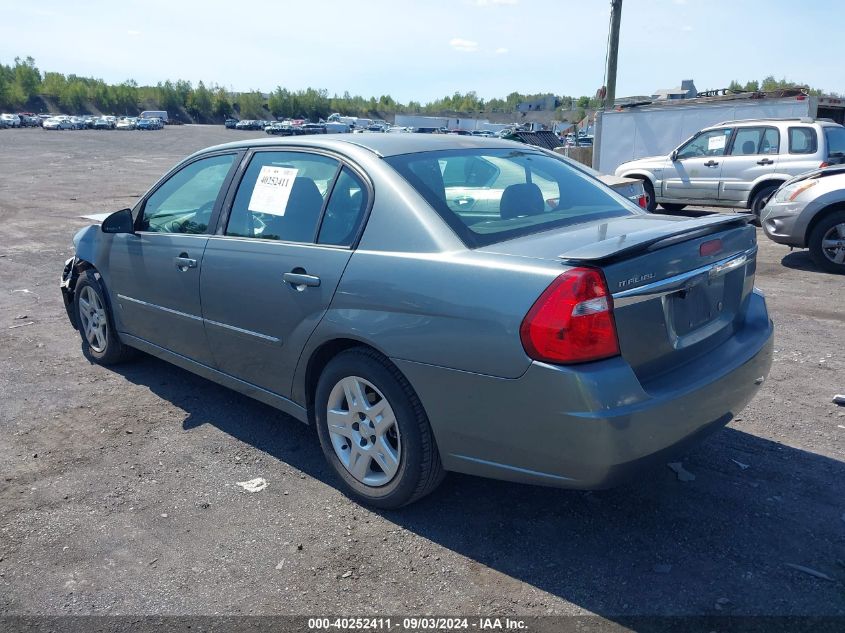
(809,212)
(738,163)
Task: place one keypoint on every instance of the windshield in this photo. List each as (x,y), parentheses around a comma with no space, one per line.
(492,195)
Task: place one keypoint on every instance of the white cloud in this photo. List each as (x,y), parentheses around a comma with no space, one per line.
(501,51)
(463,46)
(493,3)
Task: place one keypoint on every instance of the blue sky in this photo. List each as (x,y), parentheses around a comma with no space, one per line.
(425,50)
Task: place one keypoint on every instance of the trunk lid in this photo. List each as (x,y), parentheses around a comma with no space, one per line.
(674,299)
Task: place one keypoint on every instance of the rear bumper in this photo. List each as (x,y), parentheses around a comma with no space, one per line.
(592,426)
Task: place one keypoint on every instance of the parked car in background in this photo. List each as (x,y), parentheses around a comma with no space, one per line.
(250,124)
(126,123)
(29,119)
(58,123)
(148,124)
(230,123)
(738,163)
(12,120)
(102,124)
(809,212)
(560,344)
(279,128)
(161,115)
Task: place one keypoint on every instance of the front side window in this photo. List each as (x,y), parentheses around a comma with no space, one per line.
(802,140)
(487,196)
(281,196)
(711,143)
(185,201)
(835,143)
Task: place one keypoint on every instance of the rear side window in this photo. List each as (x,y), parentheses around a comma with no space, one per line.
(835,137)
(281,196)
(344,211)
(489,196)
(802,140)
(750,141)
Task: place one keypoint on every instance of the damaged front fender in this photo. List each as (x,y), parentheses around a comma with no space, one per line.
(84,243)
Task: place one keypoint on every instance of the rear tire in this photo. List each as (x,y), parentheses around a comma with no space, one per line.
(759,201)
(100,342)
(829,231)
(671,207)
(374,432)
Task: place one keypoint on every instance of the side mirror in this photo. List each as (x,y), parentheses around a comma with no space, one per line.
(674,155)
(119,222)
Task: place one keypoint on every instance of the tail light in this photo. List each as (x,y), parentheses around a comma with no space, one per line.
(643,201)
(824,164)
(572,321)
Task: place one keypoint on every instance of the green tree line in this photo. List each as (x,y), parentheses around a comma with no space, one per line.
(22,82)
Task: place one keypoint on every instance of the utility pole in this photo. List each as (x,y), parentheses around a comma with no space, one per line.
(613,51)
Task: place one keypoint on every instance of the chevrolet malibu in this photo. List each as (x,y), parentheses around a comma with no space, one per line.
(557,335)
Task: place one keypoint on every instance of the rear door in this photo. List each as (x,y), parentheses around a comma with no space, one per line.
(153,274)
(697,168)
(753,154)
(271,271)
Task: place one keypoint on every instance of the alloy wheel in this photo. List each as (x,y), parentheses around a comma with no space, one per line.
(363,431)
(93,319)
(833,243)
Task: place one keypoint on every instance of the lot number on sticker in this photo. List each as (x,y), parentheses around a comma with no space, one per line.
(272,190)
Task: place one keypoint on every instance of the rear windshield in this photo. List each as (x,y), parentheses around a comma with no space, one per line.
(835,141)
(492,195)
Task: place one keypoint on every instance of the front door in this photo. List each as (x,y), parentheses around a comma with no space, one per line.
(154,273)
(695,172)
(269,278)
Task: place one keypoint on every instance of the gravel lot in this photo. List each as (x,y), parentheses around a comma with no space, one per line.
(119,486)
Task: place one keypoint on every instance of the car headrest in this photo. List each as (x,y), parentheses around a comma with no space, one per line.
(520,200)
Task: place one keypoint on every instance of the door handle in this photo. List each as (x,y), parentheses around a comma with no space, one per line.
(183,262)
(766,161)
(300,280)
(711,163)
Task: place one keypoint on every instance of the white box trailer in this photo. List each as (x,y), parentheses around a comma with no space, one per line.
(657,128)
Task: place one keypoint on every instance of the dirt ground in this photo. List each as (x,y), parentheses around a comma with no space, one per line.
(119,486)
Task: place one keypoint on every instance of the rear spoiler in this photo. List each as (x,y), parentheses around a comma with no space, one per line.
(652,239)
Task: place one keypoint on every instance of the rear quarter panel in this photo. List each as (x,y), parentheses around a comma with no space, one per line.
(457,310)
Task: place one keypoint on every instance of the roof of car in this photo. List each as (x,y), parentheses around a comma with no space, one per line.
(379,143)
(753,122)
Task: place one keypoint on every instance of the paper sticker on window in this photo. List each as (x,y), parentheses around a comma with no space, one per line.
(716,142)
(272,190)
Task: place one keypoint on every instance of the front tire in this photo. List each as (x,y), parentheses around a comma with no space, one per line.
(760,199)
(374,432)
(672,208)
(827,243)
(651,205)
(100,342)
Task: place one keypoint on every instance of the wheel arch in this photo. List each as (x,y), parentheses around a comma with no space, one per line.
(820,215)
(639,174)
(305,382)
(765,182)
